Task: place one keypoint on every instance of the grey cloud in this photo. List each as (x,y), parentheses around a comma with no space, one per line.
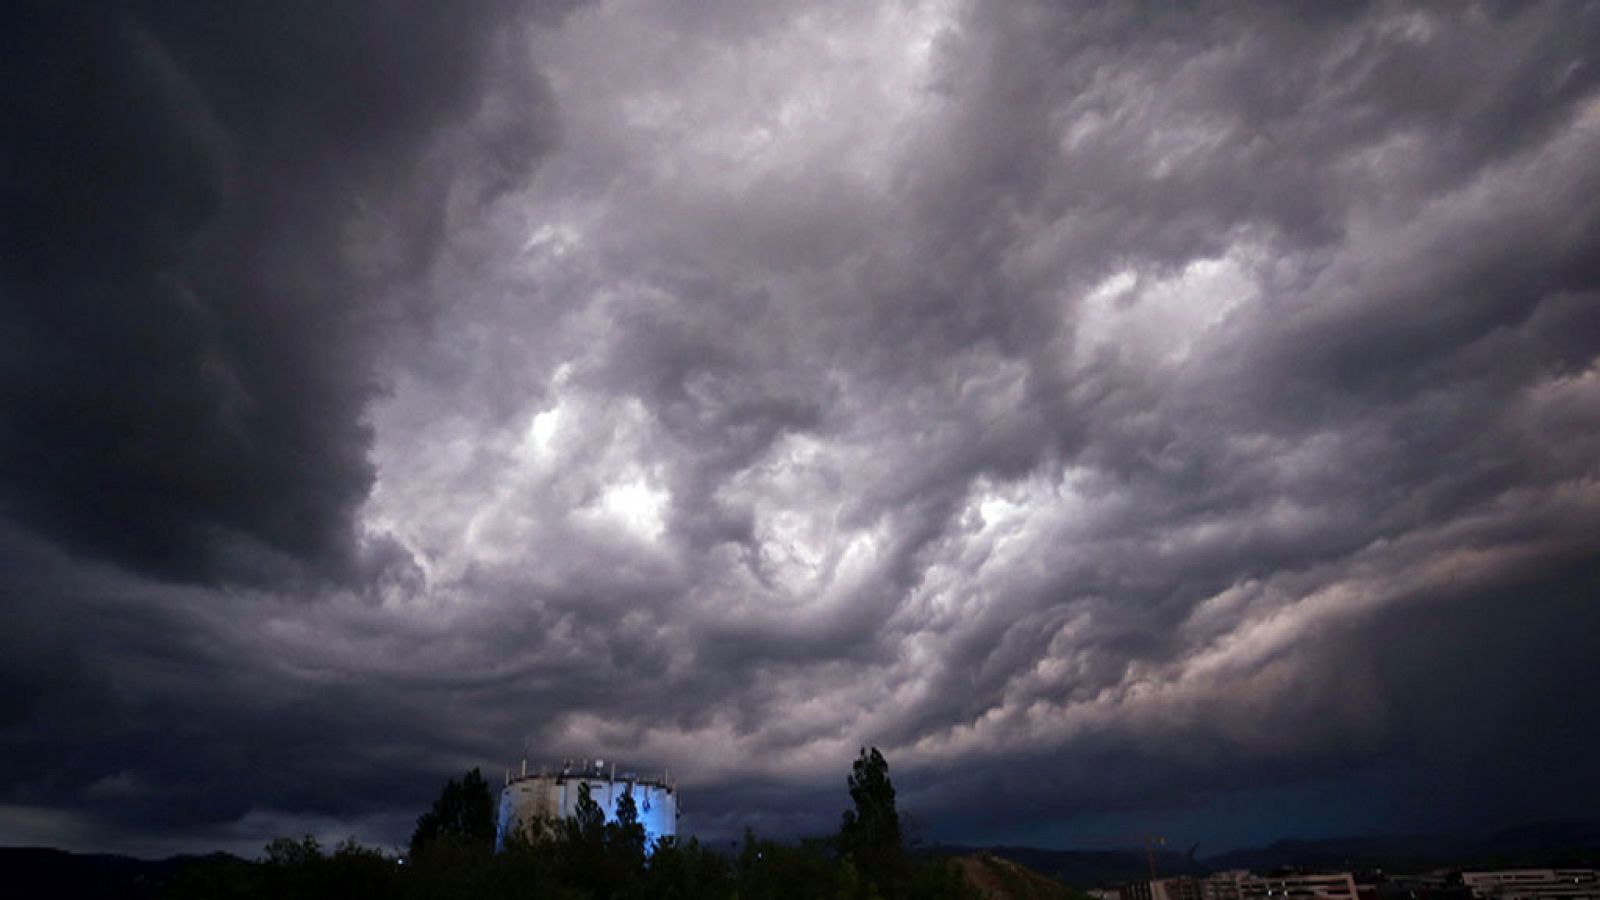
(1102,410)
(942,358)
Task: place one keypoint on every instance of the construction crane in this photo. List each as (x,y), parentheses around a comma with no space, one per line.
(1150,842)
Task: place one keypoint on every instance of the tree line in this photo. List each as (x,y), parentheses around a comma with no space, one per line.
(586,857)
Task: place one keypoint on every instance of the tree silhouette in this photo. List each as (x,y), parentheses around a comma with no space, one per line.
(464,812)
(627,836)
(583,846)
(588,822)
(585,857)
(870,835)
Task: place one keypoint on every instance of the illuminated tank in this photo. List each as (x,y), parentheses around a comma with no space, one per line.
(551,794)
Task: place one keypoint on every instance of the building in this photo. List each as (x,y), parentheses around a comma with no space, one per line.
(1223,885)
(531,800)
(1134,890)
(1179,888)
(1439,884)
(1300,886)
(1533,884)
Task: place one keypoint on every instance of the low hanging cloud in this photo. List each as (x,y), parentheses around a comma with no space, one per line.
(1105,411)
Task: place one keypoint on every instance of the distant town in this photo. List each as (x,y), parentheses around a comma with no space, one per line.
(1439,884)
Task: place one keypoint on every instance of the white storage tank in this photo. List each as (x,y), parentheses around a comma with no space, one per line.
(551,794)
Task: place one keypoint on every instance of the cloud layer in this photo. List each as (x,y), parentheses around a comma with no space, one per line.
(1106,411)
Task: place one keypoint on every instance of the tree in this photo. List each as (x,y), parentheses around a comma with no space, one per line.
(464,812)
(588,822)
(286,852)
(870,835)
(626,835)
(686,871)
(583,847)
(625,851)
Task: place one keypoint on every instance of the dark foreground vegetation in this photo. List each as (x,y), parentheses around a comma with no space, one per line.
(587,858)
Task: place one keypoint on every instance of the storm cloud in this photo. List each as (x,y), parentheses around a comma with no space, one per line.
(210,218)
(1113,413)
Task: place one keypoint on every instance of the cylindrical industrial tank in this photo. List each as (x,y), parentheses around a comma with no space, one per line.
(551,794)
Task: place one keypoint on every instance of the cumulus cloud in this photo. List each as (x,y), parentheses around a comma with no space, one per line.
(1099,409)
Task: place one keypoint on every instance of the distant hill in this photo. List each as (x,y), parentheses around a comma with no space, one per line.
(33,872)
(1002,879)
(1083,869)
(1543,844)
(1576,838)
(1400,852)
(1574,843)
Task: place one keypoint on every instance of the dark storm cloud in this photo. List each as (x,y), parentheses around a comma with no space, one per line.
(1106,411)
(211,218)
(1356,242)
(147,713)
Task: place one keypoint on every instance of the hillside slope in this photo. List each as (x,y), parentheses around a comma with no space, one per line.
(1002,879)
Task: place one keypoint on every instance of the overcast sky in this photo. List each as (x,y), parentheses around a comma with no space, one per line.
(1128,418)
